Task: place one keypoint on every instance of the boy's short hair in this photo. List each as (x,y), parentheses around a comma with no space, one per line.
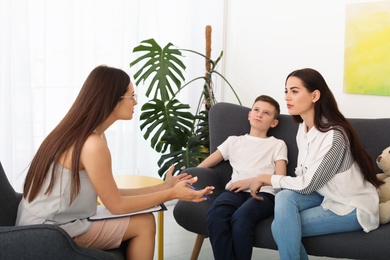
(271,101)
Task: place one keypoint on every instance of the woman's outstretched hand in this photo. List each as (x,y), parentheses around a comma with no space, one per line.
(171,180)
(182,187)
(185,191)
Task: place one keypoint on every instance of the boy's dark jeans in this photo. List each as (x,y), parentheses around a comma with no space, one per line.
(231,220)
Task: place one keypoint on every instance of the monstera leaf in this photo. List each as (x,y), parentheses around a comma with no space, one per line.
(170,123)
(190,156)
(202,130)
(195,151)
(164,63)
(181,136)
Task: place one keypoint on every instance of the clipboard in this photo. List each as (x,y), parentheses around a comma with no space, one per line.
(103,213)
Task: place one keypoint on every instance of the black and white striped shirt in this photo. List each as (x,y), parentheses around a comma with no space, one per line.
(325,165)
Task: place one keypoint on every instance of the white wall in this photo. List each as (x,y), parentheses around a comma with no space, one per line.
(263,40)
(48,47)
(266,40)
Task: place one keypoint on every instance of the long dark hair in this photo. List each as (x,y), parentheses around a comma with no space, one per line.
(99,95)
(326,107)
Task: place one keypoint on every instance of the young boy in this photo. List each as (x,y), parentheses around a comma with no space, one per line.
(233,215)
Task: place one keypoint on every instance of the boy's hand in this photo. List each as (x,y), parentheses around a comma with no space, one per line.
(240,185)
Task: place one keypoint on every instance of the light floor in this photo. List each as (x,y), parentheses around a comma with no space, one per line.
(178,243)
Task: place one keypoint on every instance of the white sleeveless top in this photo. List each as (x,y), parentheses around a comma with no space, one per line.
(54,208)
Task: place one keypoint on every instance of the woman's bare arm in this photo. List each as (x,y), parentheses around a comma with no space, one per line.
(96,160)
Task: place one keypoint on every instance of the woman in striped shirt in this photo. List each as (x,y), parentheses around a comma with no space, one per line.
(334,189)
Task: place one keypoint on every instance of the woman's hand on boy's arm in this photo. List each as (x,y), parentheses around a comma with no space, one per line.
(258,182)
(265,179)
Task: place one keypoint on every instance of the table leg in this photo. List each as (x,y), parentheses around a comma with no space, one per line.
(160,221)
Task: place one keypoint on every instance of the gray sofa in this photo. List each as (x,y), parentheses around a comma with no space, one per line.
(38,241)
(227,119)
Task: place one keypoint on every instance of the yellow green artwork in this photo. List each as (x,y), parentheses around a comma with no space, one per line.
(367,48)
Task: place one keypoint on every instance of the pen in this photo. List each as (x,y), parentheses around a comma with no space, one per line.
(192,187)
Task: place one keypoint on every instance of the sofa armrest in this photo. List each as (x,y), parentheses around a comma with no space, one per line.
(217,176)
(206,177)
(192,216)
(43,242)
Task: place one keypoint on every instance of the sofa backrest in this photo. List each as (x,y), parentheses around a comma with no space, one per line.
(374,134)
(9,201)
(226,119)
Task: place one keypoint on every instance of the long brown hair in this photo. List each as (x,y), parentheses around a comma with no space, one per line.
(99,95)
(326,107)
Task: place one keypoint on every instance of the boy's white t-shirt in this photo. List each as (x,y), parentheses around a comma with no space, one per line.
(250,156)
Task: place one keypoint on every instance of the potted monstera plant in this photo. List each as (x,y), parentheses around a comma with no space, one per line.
(181,136)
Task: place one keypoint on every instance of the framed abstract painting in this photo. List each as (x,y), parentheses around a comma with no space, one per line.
(367,48)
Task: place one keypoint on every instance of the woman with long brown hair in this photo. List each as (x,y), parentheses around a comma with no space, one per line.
(335,185)
(73,166)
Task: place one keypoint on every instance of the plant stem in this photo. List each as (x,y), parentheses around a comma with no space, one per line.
(207,86)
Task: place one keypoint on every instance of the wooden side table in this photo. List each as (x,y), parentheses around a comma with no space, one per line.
(138,181)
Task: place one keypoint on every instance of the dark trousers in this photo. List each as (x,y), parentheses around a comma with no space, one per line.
(231,220)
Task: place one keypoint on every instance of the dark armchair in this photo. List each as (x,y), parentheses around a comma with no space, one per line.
(37,241)
(229,119)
